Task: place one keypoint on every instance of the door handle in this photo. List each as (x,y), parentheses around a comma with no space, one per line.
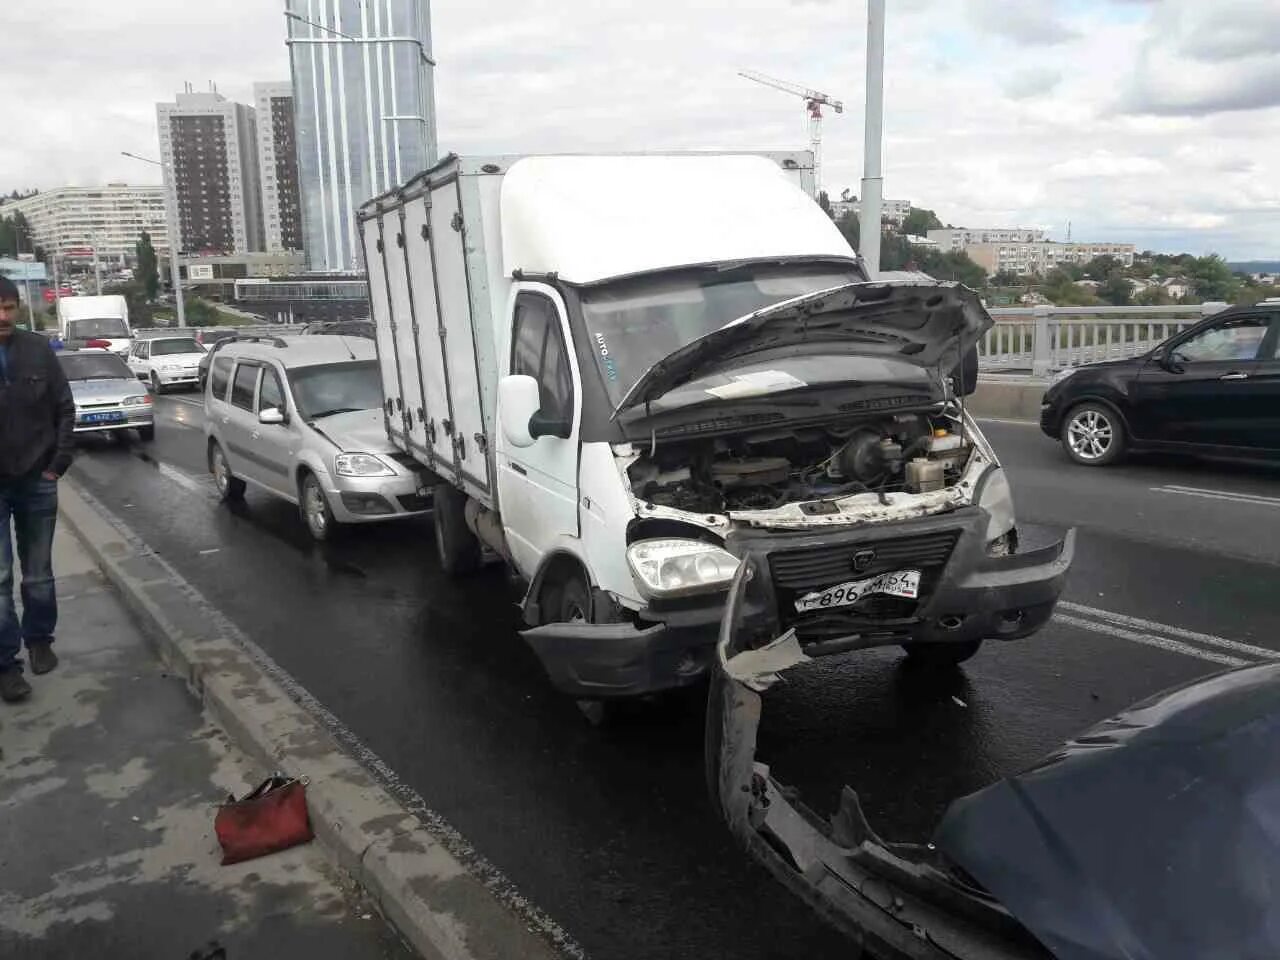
(516,468)
(1235,375)
(255,435)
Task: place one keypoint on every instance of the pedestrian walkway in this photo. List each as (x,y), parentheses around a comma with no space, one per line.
(108,782)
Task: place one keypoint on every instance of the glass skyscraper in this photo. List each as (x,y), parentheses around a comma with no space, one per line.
(364,109)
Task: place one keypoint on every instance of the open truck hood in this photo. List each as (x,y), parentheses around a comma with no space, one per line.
(927,323)
(1155,835)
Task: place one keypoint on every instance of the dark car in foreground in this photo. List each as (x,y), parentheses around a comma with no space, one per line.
(1212,390)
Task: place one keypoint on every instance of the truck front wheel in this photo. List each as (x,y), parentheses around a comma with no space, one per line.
(939,656)
(457,546)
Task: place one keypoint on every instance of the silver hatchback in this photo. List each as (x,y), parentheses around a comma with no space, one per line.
(301,418)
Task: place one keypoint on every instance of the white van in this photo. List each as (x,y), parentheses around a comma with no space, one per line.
(105,318)
(628,372)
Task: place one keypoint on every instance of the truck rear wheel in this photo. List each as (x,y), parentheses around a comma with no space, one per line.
(456,545)
(940,656)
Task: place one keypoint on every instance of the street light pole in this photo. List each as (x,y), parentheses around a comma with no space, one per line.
(872,176)
(173,241)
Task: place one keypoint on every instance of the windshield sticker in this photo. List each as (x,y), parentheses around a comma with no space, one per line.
(756,384)
(606,361)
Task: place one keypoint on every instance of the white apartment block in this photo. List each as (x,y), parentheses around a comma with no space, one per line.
(278,166)
(209,150)
(951,239)
(893,210)
(1025,259)
(73,221)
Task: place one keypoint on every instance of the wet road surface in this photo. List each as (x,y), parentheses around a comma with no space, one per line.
(608,830)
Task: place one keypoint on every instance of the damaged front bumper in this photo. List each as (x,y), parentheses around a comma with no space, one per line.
(894,900)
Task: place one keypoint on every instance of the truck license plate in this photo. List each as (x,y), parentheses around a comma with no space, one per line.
(900,583)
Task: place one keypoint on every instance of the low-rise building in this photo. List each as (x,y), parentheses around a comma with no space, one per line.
(895,211)
(951,239)
(1026,259)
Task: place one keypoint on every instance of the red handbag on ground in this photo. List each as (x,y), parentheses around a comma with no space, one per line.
(272,817)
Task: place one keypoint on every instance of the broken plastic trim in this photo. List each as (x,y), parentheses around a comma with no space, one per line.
(894,900)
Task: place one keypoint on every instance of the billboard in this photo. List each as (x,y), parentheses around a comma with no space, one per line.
(200,271)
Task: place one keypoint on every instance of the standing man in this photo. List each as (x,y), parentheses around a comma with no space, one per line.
(37,427)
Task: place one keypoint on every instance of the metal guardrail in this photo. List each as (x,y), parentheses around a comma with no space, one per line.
(255,330)
(1042,339)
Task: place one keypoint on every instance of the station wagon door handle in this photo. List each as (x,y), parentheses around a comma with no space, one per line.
(255,435)
(1234,375)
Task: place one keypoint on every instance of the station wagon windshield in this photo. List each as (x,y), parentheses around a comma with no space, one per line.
(632,324)
(332,388)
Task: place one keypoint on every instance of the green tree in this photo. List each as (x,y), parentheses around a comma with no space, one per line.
(1100,267)
(824,202)
(1212,279)
(1153,296)
(850,227)
(920,221)
(953,265)
(1116,289)
(1006,278)
(1060,288)
(15,235)
(148,273)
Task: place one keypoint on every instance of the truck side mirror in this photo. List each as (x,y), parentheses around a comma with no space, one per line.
(518,401)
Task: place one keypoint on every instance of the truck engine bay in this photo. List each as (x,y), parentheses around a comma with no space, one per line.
(905,452)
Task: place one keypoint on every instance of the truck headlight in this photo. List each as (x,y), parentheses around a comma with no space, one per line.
(995,497)
(674,568)
(360,465)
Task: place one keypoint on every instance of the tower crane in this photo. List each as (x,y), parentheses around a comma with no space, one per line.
(814,101)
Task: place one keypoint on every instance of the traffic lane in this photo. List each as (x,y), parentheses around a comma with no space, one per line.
(610,831)
(1207,505)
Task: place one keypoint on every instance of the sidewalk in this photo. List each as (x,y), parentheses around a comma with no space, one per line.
(108,781)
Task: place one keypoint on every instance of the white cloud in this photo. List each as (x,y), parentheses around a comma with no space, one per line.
(986,121)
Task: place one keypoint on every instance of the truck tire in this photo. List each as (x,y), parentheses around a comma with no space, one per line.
(940,656)
(456,545)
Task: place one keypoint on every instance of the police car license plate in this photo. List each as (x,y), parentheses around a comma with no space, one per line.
(110,417)
(900,583)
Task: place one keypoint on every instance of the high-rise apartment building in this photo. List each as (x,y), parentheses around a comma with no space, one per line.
(278,166)
(208,147)
(365,113)
(73,221)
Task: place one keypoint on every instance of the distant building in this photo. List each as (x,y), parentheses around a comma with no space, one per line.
(923,242)
(278,166)
(951,239)
(365,113)
(1025,258)
(208,146)
(73,222)
(894,211)
(27,274)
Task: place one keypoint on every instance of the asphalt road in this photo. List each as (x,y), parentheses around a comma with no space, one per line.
(608,830)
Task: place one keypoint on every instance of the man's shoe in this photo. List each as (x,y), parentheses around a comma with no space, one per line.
(41,657)
(14,686)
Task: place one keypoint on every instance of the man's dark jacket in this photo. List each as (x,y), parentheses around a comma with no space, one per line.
(37,413)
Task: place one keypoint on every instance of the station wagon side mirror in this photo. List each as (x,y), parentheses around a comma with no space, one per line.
(271,415)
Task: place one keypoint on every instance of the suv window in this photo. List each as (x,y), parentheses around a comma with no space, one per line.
(242,388)
(272,393)
(1238,338)
(538,351)
(220,376)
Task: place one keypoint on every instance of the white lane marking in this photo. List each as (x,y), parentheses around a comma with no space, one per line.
(1015,423)
(1208,639)
(180,477)
(1238,496)
(1151,640)
(187,400)
(205,553)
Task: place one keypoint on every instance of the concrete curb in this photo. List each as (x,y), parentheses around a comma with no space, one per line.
(1007,400)
(437,903)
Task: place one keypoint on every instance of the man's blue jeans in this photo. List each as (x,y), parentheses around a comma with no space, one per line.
(28,505)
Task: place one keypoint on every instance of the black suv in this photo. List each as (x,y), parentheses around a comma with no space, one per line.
(1212,389)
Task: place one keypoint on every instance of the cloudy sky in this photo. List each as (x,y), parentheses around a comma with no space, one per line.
(1151,121)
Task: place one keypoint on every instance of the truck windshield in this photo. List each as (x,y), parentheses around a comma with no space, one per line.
(632,324)
(323,391)
(109,327)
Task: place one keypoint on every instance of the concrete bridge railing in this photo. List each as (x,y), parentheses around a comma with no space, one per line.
(1042,339)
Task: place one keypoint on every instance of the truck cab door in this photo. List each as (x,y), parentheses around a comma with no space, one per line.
(538,483)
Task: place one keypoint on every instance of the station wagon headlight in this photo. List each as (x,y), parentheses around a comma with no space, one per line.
(361,465)
(673,568)
(135,401)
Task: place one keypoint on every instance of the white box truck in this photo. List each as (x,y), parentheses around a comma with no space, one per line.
(628,372)
(104,318)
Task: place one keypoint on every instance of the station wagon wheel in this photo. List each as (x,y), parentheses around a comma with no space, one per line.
(1092,434)
(230,487)
(316,511)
